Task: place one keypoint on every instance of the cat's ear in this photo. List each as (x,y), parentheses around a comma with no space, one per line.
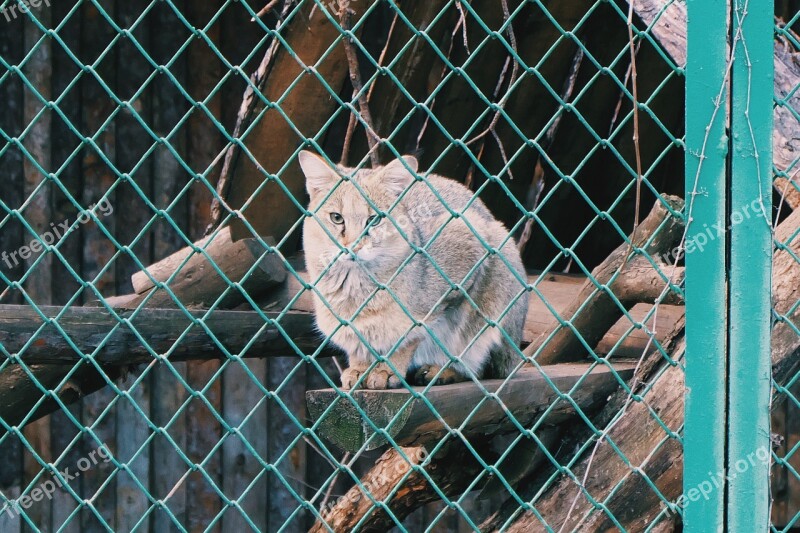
(400,173)
(320,177)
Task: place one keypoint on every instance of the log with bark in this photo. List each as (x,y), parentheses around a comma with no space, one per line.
(651,445)
(214,271)
(667,21)
(302,74)
(125,337)
(357,508)
(616,285)
(416,417)
(113,341)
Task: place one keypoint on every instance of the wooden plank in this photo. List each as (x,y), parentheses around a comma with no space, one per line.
(525,395)
(245,407)
(98,250)
(132,144)
(202,435)
(133,433)
(10,521)
(38,72)
(288,456)
(11,122)
(160,328)
(167,398)
(64,443)
(11,166)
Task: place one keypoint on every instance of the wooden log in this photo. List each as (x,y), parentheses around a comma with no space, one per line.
(409,420)
(667,22)
(593,311)
(18,393)
(195,281)
(642,438)
(168,332)
(388,474)
(291,83)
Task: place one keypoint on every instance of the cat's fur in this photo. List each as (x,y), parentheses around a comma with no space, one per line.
(417,293)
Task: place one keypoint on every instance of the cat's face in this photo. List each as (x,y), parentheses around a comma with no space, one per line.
(351,222)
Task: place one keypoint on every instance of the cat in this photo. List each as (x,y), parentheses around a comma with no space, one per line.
(373,291)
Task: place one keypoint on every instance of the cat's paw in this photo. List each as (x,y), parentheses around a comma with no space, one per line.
(349,378)
(426,373)
(381,377)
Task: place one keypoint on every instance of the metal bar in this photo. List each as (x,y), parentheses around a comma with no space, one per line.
(706,303)
(750,266)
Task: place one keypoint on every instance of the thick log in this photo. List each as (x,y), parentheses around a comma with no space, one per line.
(667,22)
(593,311)
(357,506)
(649,449)
(305,87)
(410,418)
(22,398)
(96,332)
(196,281)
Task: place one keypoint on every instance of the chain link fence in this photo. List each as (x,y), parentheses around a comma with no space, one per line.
(173,341)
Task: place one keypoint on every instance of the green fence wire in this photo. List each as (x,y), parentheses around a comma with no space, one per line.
(572,180)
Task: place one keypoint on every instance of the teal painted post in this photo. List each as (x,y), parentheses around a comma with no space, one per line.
(750,266)
(706,302)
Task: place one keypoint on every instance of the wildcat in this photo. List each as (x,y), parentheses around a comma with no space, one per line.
(367,275)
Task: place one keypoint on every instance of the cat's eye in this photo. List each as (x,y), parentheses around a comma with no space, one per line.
(337,218)
(375,220)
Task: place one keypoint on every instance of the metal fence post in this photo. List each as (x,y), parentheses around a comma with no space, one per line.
(726,476)
(750,266)
(707,79)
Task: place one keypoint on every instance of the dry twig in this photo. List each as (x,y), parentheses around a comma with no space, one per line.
(358,86)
